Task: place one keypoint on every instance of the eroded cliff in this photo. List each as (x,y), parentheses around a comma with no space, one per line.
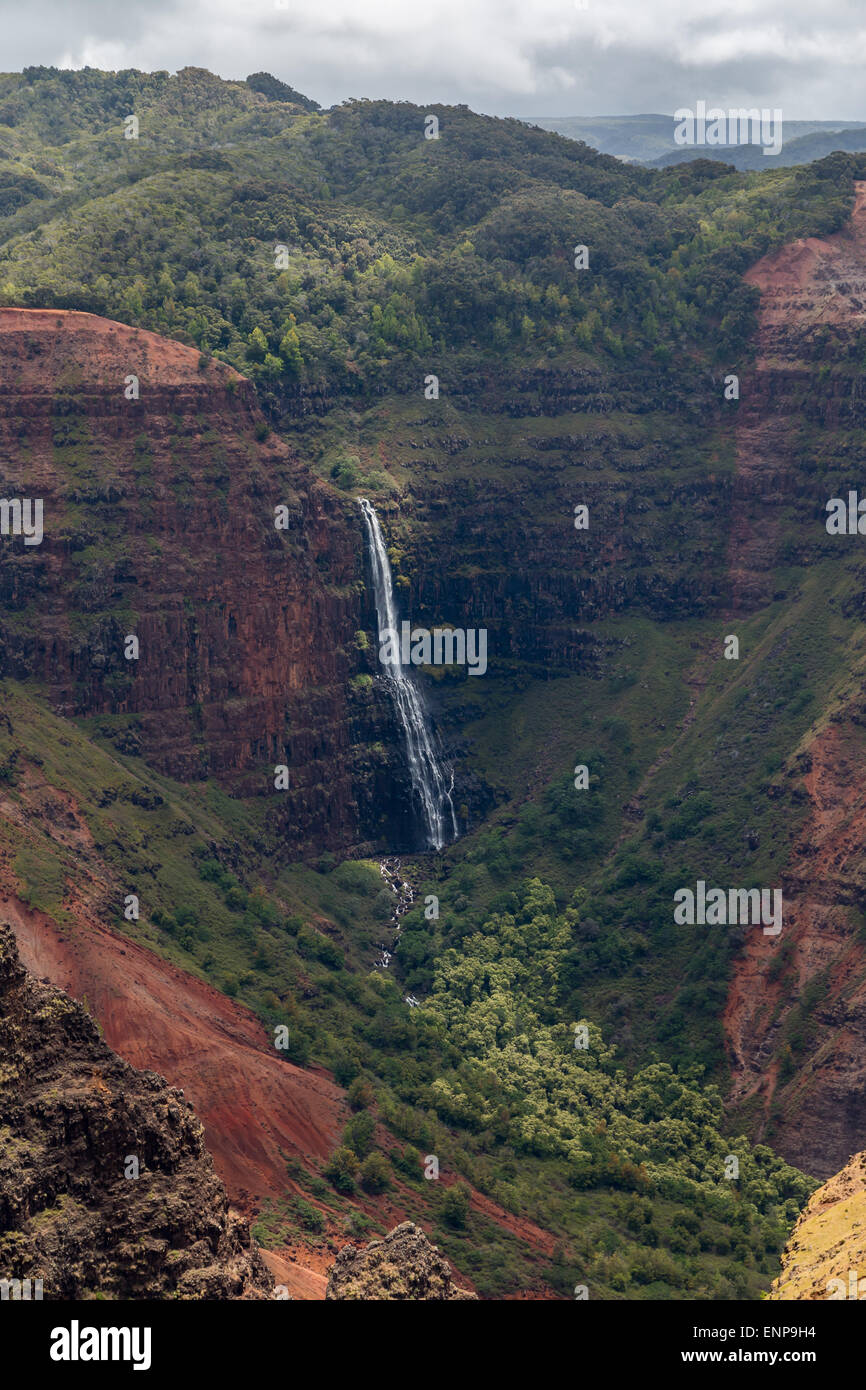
(796,1011)
(160,486)
(106,1187)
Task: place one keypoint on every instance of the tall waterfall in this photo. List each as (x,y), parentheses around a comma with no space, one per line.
(432,784)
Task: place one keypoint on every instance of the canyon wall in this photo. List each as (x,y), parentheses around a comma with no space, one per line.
(159,523)
(796,1023)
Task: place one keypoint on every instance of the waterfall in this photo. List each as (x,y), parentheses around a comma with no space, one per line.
(432,784)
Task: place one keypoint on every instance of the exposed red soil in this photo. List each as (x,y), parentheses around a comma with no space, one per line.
(106,352)
(818,280)
(819,1097)
(302,1281)
(257,1109)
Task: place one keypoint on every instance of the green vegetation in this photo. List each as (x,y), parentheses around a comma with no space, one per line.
(396,248)
(338,257)
(485,1076)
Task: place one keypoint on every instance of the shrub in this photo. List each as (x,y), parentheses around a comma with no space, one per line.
(454,1207)
(298,1049)
(358,878)
(357,1223)
(408,1162)
(345,1070)
(329,954)
(309,1216)
(361,1094)
(358,1134)
(342,1169)
(375,1176)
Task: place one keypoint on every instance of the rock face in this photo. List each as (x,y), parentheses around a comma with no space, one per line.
(74,1120)
(403,1266)
(803,1091)
(825,1257)
(493,538)
(160,485)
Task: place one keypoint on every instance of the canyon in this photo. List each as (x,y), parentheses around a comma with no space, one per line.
(234,671)
(194,714)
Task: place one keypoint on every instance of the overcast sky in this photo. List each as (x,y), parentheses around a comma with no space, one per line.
(520,57)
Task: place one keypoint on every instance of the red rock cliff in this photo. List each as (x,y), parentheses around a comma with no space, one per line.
(808,1102)
(159,522)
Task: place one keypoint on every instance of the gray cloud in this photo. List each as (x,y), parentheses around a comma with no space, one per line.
(525,57)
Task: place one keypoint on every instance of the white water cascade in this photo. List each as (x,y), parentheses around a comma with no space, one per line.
(432,784)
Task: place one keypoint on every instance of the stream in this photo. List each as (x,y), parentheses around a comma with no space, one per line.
(404,897)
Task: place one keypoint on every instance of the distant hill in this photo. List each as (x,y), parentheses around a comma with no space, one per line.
(649,139)
(803,150)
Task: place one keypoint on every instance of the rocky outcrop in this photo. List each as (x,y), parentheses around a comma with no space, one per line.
(106,1187)
(257,1108)
(404,1266)
(825,1257)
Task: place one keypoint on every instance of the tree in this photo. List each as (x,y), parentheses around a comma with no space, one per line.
(191,289)
(360,1094)
(273,366)
(346,1069)
(290,349)
(342,1169)
(375,1173)
(298,1049)
(358,1134)
(275,90)
(257,345)
(347,471)
(454,1207)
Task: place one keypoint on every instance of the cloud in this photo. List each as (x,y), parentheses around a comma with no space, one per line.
(527,57)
